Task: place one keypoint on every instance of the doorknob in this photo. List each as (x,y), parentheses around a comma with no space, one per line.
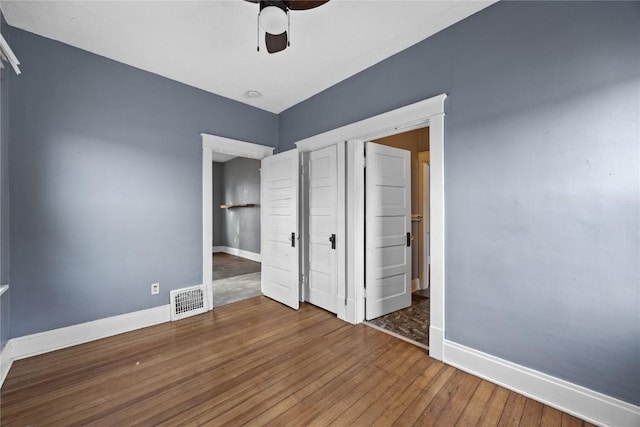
(408,239)
(332,239)
(293,240)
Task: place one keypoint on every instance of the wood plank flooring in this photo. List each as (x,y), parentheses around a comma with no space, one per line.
(225,265)
(257,362)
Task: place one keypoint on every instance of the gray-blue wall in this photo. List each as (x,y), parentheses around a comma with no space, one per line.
(5,74)
(542,181)
(237,181)
(241,227)
(218,199)
(542,174)
(105,183)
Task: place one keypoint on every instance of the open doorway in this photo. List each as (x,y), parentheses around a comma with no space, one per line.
(236,229)
(412,323)
(217,149)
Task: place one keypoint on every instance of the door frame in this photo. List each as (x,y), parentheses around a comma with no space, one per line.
(423,180)
(218,144)
(429,112)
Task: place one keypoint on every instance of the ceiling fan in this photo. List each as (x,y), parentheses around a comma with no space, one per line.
(273,18)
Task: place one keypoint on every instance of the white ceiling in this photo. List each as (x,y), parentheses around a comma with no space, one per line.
(212,44)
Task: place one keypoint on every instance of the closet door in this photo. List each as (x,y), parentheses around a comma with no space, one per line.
(280,239)
(321,230)
(388,226)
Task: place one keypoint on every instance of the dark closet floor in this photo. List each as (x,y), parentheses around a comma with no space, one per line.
(411,322)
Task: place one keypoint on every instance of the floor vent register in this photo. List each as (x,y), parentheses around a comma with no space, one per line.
(188,302)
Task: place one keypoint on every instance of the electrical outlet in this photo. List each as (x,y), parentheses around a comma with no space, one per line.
(155,288)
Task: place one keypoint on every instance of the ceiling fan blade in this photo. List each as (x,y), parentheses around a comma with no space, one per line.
(275,42)
(304,4)
(253,1)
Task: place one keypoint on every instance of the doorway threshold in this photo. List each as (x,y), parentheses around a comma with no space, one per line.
(397,335)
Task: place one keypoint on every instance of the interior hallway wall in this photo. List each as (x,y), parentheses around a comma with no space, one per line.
(542,196)
(241,229)
(218,199)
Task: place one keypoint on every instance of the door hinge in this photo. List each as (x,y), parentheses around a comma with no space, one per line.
(332,239)
(364,158)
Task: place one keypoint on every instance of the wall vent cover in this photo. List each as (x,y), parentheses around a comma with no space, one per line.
(187,302)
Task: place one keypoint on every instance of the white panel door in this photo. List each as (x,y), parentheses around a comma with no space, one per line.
(387,234)
(279,240)
(322,271)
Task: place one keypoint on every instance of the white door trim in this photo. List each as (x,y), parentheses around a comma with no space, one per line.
(218,144)
(234,147)
(353,310)
(424,259)
(429,112)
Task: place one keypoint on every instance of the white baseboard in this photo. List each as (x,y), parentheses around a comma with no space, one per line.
(415,284)
(347,312)
(56,339)
(237,252)
(584,403)
(6,360)
(5,353)
(436,338)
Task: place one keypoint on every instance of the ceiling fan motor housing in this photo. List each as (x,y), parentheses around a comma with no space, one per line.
(273,19)
(273,16)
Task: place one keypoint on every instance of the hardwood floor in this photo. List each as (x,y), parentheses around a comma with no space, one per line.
(225,265)
(257,362)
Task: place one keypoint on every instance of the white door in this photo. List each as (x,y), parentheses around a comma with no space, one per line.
(279,240)
(322,267)
(387,234)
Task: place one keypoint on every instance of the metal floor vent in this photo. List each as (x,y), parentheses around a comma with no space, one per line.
(187,302)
